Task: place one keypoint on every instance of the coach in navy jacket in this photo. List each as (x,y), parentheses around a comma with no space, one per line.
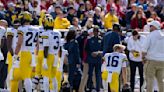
(93,49)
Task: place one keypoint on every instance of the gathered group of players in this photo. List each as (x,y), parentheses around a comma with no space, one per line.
(33,55)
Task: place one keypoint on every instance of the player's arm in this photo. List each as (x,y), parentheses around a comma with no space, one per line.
(9,43)
(19,43)
(46,51)
(124,70)
(124,75)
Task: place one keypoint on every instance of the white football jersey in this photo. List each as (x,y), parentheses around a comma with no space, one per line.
(13,32)
(53,40)
(115,61)
(30,37)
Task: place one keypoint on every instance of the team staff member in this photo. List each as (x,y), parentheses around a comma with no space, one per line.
(23,66)
(111,38)
(153,54)
(72,47)
(135,45)
(94,49)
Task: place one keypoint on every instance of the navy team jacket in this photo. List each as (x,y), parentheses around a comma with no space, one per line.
(93,44)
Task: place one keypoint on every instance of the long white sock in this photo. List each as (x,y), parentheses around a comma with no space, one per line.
(46,84)
(55,85)
(105,85)
(28,85)
(8,82)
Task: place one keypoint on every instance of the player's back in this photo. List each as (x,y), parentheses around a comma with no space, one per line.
(30,36)
(54,38)
(115,61)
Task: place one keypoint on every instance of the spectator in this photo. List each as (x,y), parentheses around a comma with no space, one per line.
(72,47)
(131,2)
(149,10)
(138,20)
(90,14)
(142,3)
(129,15)
(9,13)
(88,27)
(109,5)
(81,11)
(147,26)
(97,18)
(93,48)
(110,19)
(102,3)
(34,7)
(35,18)
(134,46)
(119,12)
(71,13)
(111,38)
(43,5)
(2,13)
(75,24)
(57,10)
(124,4)
(153,57)
(119,9)
(60,22)
(155,16)
(26,6)
(88,6)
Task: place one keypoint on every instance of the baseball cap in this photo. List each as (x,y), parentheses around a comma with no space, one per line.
(155,24)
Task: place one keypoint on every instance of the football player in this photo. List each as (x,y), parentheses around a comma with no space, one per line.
(51,43)
(12,38)
(114,63)
(38,76)
(26,45)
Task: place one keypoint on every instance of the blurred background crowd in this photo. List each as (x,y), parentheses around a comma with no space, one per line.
(128,13)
